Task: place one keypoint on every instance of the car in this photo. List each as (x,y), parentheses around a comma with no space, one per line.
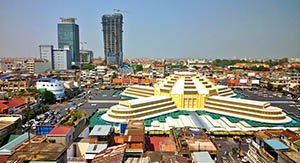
(245,159)
(248,140)
(93,104)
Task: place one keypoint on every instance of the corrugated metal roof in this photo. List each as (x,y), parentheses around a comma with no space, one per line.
(60,130)
(100,130)
(202,157)
(7,148)
(111,154)
(95,148)
(276,144)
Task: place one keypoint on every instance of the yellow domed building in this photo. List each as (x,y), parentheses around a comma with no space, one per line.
(190,91)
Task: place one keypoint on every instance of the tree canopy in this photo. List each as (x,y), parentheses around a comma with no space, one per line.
(48,97)
(87,67)
(139,67)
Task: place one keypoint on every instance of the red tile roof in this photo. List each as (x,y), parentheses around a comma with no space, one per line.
(3,159)
(155,143)
(3,107)
(292,136)
(111,154)
(60,130)
(16,102)
(134,138)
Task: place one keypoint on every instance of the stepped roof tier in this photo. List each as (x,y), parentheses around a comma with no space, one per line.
(142,108)
(190,91)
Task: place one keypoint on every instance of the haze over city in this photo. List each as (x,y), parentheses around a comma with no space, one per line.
(154,29)
(195,81)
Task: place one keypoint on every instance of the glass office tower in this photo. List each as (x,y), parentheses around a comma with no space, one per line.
(68,36)
(113,40)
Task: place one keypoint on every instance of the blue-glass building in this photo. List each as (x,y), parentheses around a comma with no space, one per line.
(68,36)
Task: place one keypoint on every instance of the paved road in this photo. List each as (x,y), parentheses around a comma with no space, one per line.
(227,144)
(103,101)
(265,95)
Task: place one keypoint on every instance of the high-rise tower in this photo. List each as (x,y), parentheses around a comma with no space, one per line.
(68,36)
(112,35)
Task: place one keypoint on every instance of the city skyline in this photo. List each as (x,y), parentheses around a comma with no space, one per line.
(224,29)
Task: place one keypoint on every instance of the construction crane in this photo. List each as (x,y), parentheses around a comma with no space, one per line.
(120,11)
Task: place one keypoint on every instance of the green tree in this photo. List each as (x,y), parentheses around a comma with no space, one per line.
(87,67)
(139,67)
(269,86)
(75,67)
(48,97)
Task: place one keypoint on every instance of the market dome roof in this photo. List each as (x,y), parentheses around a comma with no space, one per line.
(186,83)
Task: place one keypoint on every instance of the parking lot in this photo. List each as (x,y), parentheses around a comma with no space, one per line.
(49,118)
(106,95)
(276,99)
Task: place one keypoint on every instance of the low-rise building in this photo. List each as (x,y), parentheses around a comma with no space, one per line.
(192,140)
(202,157)
(61,134)
(93,150)
(102,134)
(8,65)
(8,125)
(134,137)
(290,138)
(9,148)
(288,157)
(111,154)
(14,105)
(39,152)
(86,56)
(53,85)
(38,66)
(10,83)
(273,146)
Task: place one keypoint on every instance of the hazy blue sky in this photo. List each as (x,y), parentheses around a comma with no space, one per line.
(160,28)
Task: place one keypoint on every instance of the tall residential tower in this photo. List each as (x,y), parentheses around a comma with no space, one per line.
(113,40)
(68,37)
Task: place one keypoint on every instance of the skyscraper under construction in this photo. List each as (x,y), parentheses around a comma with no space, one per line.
(113,40)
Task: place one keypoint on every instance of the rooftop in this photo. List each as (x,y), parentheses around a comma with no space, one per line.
(134,138)
(243,101)
(50,80)
(7,148)
(290,156)
(111,154)
(202,157)
(268,134)
(60,131)
(292,136)
(276,144)
(100,130)
(95,148)
(39,152)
